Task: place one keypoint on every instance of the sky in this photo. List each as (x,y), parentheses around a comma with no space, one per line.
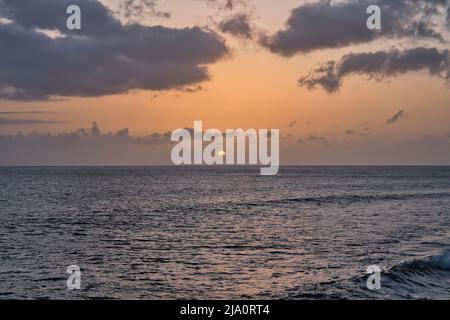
(111,93)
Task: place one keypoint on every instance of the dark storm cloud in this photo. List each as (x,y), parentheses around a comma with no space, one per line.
(323,25)
(51,14)
(399,115)
(238,26)
(380,64)
(105,57)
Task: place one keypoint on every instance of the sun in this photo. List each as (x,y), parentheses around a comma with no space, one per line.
(221,153)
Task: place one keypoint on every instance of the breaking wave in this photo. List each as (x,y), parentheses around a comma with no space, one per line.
(425,278)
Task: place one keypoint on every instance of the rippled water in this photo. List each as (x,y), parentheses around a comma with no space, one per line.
(152,233)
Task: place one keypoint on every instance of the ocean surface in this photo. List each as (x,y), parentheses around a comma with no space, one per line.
(225,232)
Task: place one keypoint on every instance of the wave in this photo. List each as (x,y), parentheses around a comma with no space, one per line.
(424,278)
(441,261)
(432,263)
(353,198)
(340,200)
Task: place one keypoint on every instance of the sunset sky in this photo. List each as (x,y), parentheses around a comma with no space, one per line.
(384,98)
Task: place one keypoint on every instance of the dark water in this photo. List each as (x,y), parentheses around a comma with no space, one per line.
(151,233)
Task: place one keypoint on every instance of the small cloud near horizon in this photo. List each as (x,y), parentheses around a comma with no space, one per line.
(399,115)
(292,124)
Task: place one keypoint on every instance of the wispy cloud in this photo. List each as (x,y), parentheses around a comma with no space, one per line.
(399,115)
(137,10)
(357,133)
(379,65)
(191,89)
(25,112)
(228,4)
(314,138)
(10,122)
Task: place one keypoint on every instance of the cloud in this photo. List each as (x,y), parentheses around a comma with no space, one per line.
(357,133)
(320,25)
(380,64)
(92,146)
(92,135)
(314,138)
(86,146)
(11,121)
(105,57)
(228,4)
(191,89)
(399,115)
(238,26)
(8,122)
(25,112)
(433,149)
(448,14)
(137,10)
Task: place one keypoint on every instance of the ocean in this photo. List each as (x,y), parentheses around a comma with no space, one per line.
(224,232)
